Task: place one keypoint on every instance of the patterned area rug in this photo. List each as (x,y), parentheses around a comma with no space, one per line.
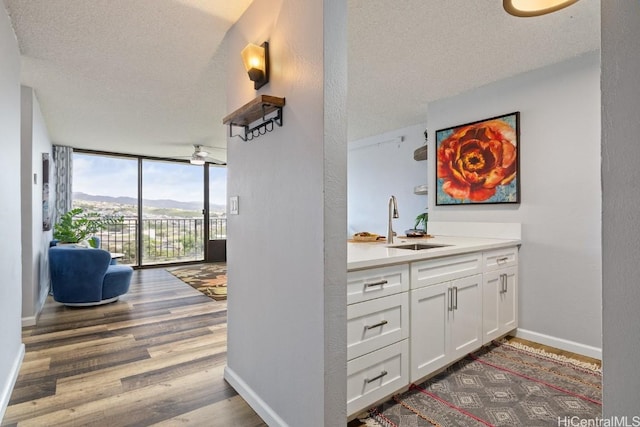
(208,278)
(504,384)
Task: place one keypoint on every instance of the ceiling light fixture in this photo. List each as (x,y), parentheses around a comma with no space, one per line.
(256,62)
(527,8)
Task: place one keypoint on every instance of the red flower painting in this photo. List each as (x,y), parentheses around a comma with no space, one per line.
(478,163)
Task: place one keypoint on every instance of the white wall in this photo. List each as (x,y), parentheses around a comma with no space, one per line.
(11,348)
(287,247)
(560,212)
(621,215)
(379,167)
(35,242)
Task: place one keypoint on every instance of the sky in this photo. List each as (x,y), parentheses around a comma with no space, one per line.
(118,176)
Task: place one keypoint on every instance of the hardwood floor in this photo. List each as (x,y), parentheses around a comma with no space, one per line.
(156,357)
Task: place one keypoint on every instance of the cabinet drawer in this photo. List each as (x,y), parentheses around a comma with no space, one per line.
(376,375)
(363,285)
(430,272)
(500,258)
(377,323)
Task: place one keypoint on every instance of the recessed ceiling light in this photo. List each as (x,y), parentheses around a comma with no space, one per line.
(526,8)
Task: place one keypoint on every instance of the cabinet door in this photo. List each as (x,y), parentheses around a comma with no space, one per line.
(364,285)
(491,296)
(377,323)
(498,259)
(439,270)
(465,319)
(500,303)
(429,337)
(508,312)
(376,375)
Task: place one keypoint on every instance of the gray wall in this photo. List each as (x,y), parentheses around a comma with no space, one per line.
(11,348)
(287,246)
(35,242)
(377,169)
(621,206)
(560,258)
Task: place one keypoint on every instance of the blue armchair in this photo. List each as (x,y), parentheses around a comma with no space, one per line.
(85,276)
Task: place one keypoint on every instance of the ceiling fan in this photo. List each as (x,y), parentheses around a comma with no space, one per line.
(200,156)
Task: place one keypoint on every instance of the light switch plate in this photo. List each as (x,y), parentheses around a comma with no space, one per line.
(233,205)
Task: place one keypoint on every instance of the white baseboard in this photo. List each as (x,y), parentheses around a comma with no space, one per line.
(28,321)
(32,320)
(562,344)
(265,412)
(11,381)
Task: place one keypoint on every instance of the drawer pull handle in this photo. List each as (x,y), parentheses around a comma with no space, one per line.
(377,325)
(382,374)
(378,283)
(501,260)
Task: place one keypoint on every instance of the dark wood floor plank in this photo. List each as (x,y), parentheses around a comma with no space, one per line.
(155,357)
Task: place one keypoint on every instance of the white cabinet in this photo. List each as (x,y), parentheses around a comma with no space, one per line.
(500,303)
(438,270)
(377,323)
(377,334)
(376,375)
(500,293)
(406,321)
(446,323)
(363,285)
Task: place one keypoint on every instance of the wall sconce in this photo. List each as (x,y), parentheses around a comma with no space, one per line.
(526,8)
(196,160)
(256,62)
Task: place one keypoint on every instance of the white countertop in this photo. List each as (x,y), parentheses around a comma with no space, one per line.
(375,254)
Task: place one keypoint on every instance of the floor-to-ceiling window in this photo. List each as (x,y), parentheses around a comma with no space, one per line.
(108,185)
(172,212)
(162,202)
(217,202)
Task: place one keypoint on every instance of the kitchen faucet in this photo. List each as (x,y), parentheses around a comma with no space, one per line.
(393,213)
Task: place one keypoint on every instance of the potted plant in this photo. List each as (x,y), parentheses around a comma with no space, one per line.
(77,226)
(423,218)
(417,231)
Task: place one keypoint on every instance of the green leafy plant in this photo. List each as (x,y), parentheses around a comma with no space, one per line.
(77,225)
(423,218)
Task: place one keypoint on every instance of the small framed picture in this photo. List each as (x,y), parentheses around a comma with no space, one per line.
(478,162)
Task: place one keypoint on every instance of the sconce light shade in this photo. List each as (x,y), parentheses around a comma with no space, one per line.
(526,8)
(256,62)
(196,160)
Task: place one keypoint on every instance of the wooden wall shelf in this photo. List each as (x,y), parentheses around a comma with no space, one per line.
(420,153)
(255,110)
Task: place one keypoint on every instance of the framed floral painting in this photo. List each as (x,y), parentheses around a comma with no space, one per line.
(478,163)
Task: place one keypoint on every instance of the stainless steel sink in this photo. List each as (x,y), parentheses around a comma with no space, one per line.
(418,246)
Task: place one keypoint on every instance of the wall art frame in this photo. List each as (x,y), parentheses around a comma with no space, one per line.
(46,208)
(479,162)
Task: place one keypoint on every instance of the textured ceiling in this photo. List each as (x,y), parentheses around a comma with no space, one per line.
(147,76)
(406,53)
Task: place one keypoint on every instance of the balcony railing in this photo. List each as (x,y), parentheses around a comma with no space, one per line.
(163,240)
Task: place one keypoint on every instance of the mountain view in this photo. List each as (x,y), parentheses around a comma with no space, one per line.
(127,206)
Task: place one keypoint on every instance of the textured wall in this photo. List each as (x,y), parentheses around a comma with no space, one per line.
(35,241)
(560,258)
(620,214)
(11,349)
(287,247)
